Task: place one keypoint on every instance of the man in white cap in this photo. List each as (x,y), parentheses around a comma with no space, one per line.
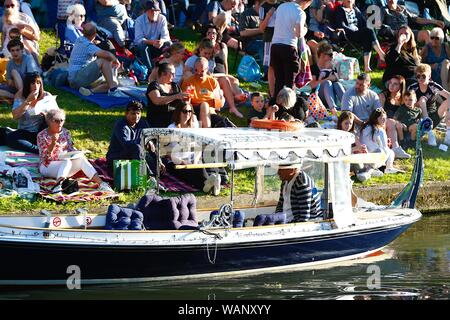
(151,33)
(299,198)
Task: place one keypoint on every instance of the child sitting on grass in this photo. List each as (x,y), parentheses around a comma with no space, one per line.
(432,99)
(374,137)
(258,110)
(408,115)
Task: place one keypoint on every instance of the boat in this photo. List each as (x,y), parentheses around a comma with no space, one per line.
(44,250)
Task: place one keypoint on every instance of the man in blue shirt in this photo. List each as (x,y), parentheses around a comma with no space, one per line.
(151,33)
(112,15)
(126,137)
(88,63)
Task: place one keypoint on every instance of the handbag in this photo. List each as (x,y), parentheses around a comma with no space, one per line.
(304,76)
(69,186)
(315,106)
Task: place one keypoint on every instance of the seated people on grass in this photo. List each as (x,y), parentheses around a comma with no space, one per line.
(174,56)
(374,136)
(432,99)
(76,17)
(125,143)
(361,100)
(258,110)
(88,63)
(323,74)
(30,123)
(250,33)
(229,84)
(285,107)
(161,94)
(299,198)
(391,99)
(112,15)
(206,95)
(394,16)
(28,28)
(53,142)
(18,66)
(184,117)
(408,115)
(219,13)
(402,58)
(437,55)
(350,20)
(361,171)
(151,34)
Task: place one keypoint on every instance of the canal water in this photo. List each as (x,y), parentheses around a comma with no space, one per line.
(415,266)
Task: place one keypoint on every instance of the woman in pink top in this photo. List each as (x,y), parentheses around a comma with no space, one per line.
(54,142)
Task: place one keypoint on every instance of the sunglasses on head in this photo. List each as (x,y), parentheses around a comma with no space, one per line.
(421,76)
(186,111)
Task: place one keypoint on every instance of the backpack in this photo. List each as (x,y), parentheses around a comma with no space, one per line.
(139,69)
(248,69)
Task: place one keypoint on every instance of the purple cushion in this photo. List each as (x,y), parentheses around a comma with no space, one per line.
(270,219)
(119,218)
(168,214)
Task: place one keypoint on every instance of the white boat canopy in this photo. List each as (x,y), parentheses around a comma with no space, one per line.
(255,146)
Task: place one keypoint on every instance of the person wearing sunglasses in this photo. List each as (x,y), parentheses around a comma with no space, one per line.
(54,142)
(184,116)
(437,55)
(395,15)
(77,15)
(432,99)
(323,73)
(29,30)
(205,179)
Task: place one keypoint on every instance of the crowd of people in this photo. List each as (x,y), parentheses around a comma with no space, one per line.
(191,93)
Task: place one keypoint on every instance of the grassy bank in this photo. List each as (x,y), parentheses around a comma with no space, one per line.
(91,128)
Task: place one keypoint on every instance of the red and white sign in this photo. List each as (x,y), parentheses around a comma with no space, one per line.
(56,221)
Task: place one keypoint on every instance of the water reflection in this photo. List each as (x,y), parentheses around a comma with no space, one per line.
(415,266)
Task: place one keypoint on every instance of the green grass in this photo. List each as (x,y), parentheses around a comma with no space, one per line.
(91,128)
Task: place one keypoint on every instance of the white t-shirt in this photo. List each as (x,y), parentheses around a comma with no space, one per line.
(289,17)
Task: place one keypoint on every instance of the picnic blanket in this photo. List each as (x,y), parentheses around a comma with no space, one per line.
(173,184)
(15,158)
(88,189)
(167,181)
(100,99)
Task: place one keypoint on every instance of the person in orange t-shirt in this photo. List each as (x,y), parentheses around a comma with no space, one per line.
(205,92)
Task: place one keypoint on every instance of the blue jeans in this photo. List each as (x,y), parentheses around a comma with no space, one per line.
(147,53)
(23,140)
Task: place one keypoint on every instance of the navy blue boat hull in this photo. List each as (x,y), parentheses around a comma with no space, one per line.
(37,262)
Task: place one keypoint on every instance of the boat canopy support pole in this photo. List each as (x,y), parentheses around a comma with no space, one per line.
(158,159)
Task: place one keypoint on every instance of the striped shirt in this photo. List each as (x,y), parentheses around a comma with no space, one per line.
(304,199)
